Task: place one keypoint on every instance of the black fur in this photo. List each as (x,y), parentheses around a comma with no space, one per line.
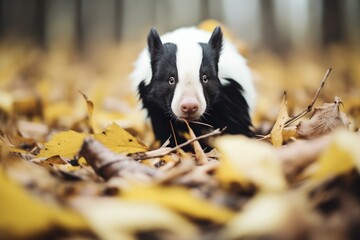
(226,106)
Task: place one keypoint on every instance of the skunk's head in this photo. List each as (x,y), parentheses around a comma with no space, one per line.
(184,79)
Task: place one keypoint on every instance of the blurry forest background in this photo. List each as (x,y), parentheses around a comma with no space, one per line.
(56,53)
(51,49)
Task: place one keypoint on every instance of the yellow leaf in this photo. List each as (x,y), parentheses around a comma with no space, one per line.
(56,110)
(17,150)
(113,218)
(200,156)
(118,140)
(342,155)
(276,133)
(90,108)
(65,144)
(181,200)
(289,132)
(6,101)
(23,216)
(266,214)
(247,161)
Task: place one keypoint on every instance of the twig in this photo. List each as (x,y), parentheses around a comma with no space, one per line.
(164,151)
(309,108)
(306,110)
(199,152)
(173,132)
(201,123)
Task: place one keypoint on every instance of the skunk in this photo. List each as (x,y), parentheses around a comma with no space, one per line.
(194,75)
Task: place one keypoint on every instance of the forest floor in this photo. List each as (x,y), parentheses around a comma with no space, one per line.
(77,159)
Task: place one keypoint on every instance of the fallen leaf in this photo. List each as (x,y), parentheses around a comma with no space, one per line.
(122,219)
(118,140)
(248,161)
(6,101)
(289,133)
(90,108)
(342,155)
(23,216)
(32,130)
(268,214)
(276,133)
(297,156)
(180,200)
(200,155)
(65,144)
(323,120)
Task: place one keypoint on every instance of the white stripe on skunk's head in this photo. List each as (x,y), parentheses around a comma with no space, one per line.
(184,75)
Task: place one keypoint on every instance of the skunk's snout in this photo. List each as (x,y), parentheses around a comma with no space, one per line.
(189,108)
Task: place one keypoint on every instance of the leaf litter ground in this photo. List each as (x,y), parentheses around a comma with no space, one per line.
(70,169)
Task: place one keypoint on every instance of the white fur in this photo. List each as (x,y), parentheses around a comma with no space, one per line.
(188,62)
(231,65)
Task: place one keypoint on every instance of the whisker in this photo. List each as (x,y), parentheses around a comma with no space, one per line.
(201,123)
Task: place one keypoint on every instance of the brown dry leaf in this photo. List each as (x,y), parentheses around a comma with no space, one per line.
(51,162)
(323,120)
(200,156)
(118,140)
(276,133)
(247,161)
(19,144)
(28,104)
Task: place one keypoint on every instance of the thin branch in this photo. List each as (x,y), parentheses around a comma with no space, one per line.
(306,110)
(309,108)
(173,132)
(164,151)
(201,123)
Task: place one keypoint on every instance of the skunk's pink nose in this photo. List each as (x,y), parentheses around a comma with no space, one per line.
(189,106)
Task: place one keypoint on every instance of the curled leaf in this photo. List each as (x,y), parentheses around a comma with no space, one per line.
(277,131)
(323,120)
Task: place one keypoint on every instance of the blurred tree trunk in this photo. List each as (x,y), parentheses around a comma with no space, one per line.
(61,26)
(352,21)
(24,19)
(269,30)
(1,19)
(243,17)
(119,10)
(333,28)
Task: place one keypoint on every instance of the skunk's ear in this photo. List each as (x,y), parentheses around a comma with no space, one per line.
(154,42)
(216,40)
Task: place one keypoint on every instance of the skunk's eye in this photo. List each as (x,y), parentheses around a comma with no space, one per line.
(171,80)
(205,78)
